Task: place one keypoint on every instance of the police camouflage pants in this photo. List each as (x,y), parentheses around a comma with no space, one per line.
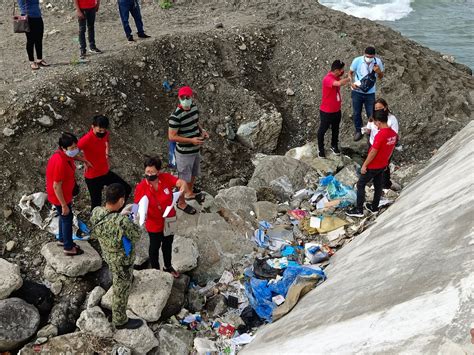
(122,277)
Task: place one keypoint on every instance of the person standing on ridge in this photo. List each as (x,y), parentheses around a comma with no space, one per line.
(366,69)
(86,11)
(375,165)
(117,236)
(96,147)
(187,132)
(127,7)
(330,109)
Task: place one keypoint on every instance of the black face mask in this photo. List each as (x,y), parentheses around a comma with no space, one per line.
(100,134)
(151,177)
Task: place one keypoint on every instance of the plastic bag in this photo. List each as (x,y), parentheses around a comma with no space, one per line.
(338,191)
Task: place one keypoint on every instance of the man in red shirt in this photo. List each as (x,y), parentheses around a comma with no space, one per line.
(86,11)
(95,145)
(330,109)
(60,182)
(375,164)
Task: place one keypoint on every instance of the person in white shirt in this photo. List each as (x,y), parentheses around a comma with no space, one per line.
(372,130)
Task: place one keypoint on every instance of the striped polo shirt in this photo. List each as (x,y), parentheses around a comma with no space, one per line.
(186,123)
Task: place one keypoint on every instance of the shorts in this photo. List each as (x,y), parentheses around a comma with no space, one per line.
(188,165)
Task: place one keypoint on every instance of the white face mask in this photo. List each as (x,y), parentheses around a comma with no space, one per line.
(72,153)
(186,104)
(368,60)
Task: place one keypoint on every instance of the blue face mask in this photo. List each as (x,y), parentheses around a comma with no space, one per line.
(72,153)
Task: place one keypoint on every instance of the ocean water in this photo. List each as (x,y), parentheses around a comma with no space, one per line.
(446,26)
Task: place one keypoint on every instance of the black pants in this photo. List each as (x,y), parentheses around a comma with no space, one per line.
(377,176)
(329,120)
(34,38)
(88,21)
(96,185)
(166,243)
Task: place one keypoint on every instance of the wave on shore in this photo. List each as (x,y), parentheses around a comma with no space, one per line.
(390,10)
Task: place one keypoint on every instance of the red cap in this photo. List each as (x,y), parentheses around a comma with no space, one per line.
(185,91)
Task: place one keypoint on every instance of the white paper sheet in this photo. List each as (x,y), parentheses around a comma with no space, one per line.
(169,208)
(315,222)
(142,210)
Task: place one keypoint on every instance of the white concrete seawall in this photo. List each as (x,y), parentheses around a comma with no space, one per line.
(406,285)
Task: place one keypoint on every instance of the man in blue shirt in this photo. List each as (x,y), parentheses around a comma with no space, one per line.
(363,90)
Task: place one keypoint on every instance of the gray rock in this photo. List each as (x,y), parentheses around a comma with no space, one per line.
(72,343)
(282,188)
(237,182)
(272,167)
(95,296)
(175,340)
(265,210)
(119,349)
(56,287)
(149,294)
(184,254)
(308,154)
(46,121)
(140,340)
(8,132)
(216,305)
(64,315)
(49,274)
(290,92)
(348,176)
(10,278)
(72,266)
(141,249)
(177,297)
(19,321)
(48,331)
(196,300)
(236,198)
(93,320)
(262,134)
(10,245)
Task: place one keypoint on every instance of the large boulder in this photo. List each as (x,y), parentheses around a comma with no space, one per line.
(94,321)
(65,313)
(272,167)
(141,249)
(94,297)
(185,254)
(348,175)
(149,294)
(10,278)
(261,135)
(72,266)
(265,210)
(36,294)
(72,343)
(309,154)
(236,198)
(19,321)
(140,340)
(174,340)
(177,297)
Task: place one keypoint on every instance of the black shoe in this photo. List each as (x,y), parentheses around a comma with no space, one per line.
(83,54)
(335,150)
(354,212)
(131,324)
(143,35)
(357,136)
(321,154)
(130,38)
(95,50)
(368,207)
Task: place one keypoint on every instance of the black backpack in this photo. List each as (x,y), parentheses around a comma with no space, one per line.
(368,81)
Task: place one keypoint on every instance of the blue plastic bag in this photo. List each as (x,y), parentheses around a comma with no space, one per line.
(127,245)
(171,154)
(338,191)
(261,238)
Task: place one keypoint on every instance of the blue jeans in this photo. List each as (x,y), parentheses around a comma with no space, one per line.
(359,99)
(65,227)
(127,7)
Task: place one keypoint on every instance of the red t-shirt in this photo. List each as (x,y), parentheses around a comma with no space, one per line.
(331,99)
(87,4)
(158,200)
(60,168)
(384,142)
(94,151)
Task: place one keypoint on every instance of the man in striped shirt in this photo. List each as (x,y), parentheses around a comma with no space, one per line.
(185,130)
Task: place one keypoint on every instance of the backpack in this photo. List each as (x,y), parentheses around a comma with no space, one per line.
(368,81)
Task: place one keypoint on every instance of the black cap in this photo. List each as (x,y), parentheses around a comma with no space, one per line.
(370,50)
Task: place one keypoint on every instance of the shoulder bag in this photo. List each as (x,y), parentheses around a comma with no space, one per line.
(20,23)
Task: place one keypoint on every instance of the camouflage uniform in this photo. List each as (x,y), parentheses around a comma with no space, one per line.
(109,229)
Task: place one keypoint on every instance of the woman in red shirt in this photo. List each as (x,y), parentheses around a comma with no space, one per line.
(158,188)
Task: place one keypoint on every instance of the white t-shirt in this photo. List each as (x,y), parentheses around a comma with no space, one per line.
(392,123)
